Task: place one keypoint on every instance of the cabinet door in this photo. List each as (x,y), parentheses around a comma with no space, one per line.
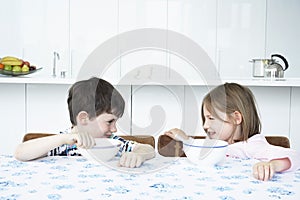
(45,29)
(195,20)
(294,123)
(283,30)
(47,109)
(12,118)
(92,23)
(193,96)
(240,36)
(124,123)
(156,109)
(135,14)
(274,108)
(10,21)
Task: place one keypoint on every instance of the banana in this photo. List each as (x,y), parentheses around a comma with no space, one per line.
(6,58)
(10,60)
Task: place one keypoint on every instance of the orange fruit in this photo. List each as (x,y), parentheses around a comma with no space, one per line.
(1,66)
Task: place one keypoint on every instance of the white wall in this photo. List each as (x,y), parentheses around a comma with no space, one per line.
(231,33)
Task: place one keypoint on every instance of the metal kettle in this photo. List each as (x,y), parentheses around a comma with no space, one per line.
(275,70)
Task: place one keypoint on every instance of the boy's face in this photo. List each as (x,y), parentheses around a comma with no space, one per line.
(102,126)
(216,128)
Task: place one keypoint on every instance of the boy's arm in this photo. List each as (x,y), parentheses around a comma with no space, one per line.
(137,156)
(36,148)
(145,150)
(39,147)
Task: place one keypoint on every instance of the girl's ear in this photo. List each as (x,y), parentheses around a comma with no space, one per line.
(237,117)
(82,118)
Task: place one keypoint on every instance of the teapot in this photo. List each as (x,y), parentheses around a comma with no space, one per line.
(274,69)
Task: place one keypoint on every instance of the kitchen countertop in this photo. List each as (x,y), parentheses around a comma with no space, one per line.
(287,82)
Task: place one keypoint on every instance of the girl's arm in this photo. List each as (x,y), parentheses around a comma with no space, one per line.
(266,170)
(177,134)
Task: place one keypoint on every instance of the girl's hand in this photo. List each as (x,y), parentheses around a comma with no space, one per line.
(265,170)
(177,134)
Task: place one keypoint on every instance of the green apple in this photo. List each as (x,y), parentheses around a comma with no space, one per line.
(25,68)
(7,67)
(16,68)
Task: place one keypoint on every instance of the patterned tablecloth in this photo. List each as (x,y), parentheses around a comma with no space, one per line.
(159,178)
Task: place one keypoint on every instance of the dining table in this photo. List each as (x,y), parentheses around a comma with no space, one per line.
(76,177)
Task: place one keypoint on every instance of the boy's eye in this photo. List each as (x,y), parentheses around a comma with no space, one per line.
(110,121)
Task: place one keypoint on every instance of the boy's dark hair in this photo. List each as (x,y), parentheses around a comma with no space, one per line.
(94,96)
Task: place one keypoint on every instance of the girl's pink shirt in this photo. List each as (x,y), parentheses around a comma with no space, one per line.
(258,148)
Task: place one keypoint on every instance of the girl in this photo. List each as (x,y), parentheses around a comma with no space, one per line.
(229,113)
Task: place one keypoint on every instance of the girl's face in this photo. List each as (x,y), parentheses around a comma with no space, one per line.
(219,129)
(102,126)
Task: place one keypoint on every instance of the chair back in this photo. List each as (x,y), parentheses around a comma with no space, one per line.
(144,139)
(172,148)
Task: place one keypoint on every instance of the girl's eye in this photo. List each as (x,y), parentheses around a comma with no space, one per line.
(210,118)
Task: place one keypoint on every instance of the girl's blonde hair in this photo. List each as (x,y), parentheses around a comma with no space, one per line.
(231,97)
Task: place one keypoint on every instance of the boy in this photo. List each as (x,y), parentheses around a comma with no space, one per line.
(94,108)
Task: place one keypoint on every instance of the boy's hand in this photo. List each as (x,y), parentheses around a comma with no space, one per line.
(137,156)
(177,134)
(131,159)
(82,139)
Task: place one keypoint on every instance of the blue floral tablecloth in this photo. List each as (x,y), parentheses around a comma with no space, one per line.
(160,178)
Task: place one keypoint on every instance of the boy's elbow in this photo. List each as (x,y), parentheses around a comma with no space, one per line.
(20,154)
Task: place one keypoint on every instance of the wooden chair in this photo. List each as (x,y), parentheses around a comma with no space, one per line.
(144,139)
(172,148)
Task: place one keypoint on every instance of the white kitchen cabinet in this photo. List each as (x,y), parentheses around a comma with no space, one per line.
(92,23)
(12,118)
(294,121)
(193,96)
(133,15)
(46,108)
(45,29)
(124,123)
(282,32)
(274,108)
(11,38)
(156,109)
(240,36)
(196,20)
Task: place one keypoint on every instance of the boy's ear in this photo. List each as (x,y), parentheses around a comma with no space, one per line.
(237,117)
(82,118)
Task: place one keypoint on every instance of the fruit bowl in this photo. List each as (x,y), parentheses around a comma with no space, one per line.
(104,150)
(13,73)
(206,152)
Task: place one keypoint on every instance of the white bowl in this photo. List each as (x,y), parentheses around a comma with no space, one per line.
(104,150)
(206,152)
